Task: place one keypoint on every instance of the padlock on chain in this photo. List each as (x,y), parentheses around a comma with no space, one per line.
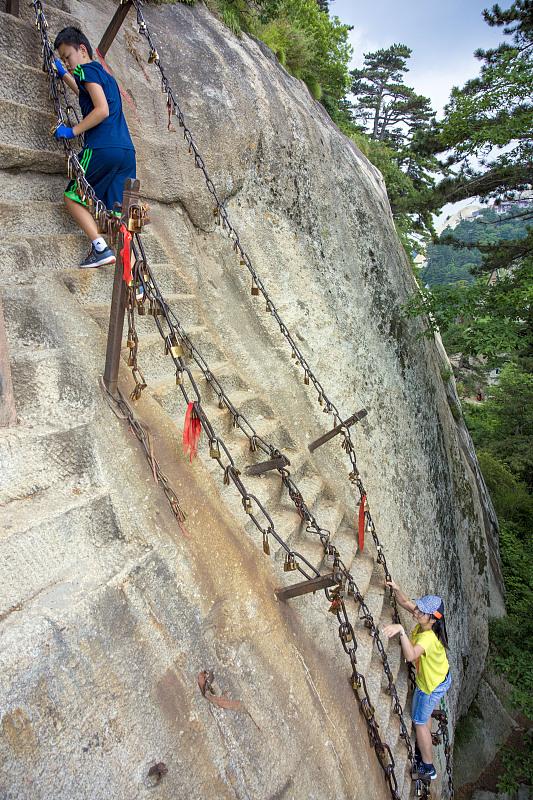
(214,449)
(290,565)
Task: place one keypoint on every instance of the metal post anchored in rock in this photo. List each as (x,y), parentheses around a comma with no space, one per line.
(13,7)
(114,27)
(118,301)
(337,429)
(8,415)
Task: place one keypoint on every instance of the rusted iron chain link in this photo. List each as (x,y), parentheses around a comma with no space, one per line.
(441,735)
(126,412)
(66,114)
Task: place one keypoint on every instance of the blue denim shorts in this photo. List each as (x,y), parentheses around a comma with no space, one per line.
(424,704)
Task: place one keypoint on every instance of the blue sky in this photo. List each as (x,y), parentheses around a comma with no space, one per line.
(442,34)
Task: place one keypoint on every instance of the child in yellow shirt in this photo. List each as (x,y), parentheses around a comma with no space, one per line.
(426,647)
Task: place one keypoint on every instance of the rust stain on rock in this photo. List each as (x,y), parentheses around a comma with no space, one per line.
(171,697)
(18,732)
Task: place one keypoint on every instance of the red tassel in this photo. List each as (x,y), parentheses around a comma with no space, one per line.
(361,538)
(125,254)
(191,431)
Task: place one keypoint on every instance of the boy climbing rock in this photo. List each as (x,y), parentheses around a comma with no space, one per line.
(108,157)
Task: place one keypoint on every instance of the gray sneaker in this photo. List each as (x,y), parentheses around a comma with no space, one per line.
(96,259)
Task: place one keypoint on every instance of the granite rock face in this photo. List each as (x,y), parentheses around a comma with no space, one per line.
(108,611)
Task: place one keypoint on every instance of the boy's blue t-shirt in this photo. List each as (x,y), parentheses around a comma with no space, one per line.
(113,131)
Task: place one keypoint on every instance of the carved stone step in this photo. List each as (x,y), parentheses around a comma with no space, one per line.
(49,390)
(93,287)
(40,218)
(24,84)
(26,141)
(31,463)
(32,255)
(19,39)
(56,17)
(68,544)
(24,187)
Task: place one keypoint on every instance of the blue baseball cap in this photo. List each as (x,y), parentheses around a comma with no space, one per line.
(431,604)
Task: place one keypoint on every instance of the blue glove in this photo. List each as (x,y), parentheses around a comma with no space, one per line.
(64,132)
(60,68)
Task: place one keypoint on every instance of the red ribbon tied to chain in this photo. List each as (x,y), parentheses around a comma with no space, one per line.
(125,255)
(361,537)
(191,431)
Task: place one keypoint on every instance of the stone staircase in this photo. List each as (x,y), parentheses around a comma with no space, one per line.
(55,399)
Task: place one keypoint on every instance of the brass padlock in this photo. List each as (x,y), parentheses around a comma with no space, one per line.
(131,341)
(214,449)
(153,57)
(306,378)
(173,345)
(345,634)
(179,377)
(141,310)
(135,219)
(356,682)
(266,545)
(131,360)
(290,564)
(255,288)
(247,503)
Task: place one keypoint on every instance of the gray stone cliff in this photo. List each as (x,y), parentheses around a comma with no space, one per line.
(108,611)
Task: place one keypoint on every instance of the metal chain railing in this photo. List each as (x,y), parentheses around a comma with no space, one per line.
(174,340)
(258,287)
(441,735)
(178,345)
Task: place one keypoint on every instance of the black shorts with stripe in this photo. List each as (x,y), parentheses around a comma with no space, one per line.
(106,170)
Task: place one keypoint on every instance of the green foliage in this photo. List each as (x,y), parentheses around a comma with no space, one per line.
(396,117)
(312,45)
(517,766)
(503,425)
(480,319)
(510,496)
(309,43)
(502,429)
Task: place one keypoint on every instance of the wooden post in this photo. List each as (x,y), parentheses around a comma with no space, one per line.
(114,27)
(13,7)
(118,300)
(8,414)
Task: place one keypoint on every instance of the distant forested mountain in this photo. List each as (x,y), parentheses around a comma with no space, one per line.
(447,263)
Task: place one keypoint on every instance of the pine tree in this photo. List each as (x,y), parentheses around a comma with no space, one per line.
(395,111)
